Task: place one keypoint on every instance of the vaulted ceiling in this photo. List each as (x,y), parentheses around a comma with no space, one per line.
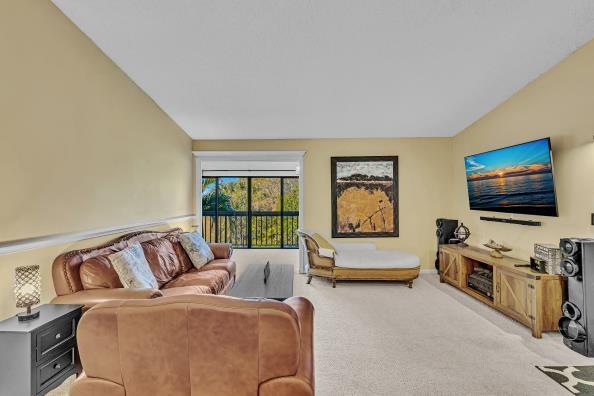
(238,69)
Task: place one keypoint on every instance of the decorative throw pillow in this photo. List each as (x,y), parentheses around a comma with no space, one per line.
(197,248)
(133,269)
(325,248)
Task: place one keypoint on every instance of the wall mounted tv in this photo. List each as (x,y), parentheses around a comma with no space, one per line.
(515,179)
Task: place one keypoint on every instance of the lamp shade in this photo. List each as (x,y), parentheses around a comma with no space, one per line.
(27,286)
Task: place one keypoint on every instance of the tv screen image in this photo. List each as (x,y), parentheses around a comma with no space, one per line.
(515,179)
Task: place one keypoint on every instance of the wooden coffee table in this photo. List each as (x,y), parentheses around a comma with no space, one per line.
(278,286)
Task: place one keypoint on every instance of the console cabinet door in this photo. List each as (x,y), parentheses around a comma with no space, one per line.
(514,295)
(449,268)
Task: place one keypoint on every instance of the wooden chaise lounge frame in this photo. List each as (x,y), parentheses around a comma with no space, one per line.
(325,267)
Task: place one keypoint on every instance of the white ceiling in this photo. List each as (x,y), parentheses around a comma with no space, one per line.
(238,69)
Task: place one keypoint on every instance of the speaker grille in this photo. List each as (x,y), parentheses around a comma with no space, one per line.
(569,267)
(569,247)
(577,323)
(571,311)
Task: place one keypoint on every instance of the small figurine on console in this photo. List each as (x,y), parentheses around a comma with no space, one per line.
(497,248)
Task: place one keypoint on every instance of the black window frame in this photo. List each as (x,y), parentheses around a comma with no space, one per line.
(249,215)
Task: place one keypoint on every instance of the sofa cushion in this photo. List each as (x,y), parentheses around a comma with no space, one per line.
(221,264)
(197,248)
(132,268)
(182,256)
(186,290)
(162,260)
(98,273)
(215,280)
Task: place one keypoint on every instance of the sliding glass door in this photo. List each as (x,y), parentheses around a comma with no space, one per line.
(251,212)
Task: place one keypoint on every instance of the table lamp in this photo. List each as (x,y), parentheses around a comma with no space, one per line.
(27,290)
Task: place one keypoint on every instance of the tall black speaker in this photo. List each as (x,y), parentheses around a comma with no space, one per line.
(445,232)
(577,323)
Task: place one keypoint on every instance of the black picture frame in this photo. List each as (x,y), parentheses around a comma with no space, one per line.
(336,233)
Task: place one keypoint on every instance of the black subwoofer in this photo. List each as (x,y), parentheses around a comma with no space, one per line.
(445,232)
(577,323)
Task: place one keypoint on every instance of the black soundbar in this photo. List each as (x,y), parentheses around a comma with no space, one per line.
(513,221)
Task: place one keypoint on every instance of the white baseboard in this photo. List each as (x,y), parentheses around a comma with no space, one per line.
(428,271)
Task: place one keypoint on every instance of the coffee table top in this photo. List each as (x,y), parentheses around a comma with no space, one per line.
(279,285)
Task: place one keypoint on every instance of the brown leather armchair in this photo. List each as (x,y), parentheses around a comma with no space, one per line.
(197,345)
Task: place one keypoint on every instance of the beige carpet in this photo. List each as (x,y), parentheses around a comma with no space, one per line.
(385,339)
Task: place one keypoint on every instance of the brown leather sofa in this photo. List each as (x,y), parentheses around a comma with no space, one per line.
(86,276)
(197,345)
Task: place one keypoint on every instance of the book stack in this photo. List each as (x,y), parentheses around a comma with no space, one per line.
(551,254)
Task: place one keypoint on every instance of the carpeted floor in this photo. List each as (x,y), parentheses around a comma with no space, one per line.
(386,339)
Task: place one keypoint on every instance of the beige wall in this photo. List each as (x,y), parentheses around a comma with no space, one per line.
(424,172)
(559,104)
(44,258)
(82,147)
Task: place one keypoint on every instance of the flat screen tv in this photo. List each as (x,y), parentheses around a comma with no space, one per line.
(515,179)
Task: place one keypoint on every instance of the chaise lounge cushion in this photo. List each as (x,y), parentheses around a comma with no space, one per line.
(376,259)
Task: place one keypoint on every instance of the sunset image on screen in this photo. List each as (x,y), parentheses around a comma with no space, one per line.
(517,179)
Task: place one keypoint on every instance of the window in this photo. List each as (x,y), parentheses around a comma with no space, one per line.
(269,205)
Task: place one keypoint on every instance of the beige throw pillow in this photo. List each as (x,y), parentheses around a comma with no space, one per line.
(133,269)
(197,248)
(325,248)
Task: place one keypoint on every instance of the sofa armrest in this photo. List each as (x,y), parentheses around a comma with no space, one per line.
(92,297)
(285,386)
(315,260)
(85,386)
(304,378)
(221,250)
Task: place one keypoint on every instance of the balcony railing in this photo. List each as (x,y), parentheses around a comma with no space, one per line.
(268,229)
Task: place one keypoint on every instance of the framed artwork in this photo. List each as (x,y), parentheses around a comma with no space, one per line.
(364,197)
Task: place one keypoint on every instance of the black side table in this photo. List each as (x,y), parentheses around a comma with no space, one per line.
(38,355)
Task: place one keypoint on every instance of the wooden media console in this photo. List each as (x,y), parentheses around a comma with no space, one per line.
(533,299)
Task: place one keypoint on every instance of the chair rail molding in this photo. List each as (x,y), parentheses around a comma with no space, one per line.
(25,244)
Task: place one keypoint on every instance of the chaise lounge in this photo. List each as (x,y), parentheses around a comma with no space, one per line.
(357,261)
